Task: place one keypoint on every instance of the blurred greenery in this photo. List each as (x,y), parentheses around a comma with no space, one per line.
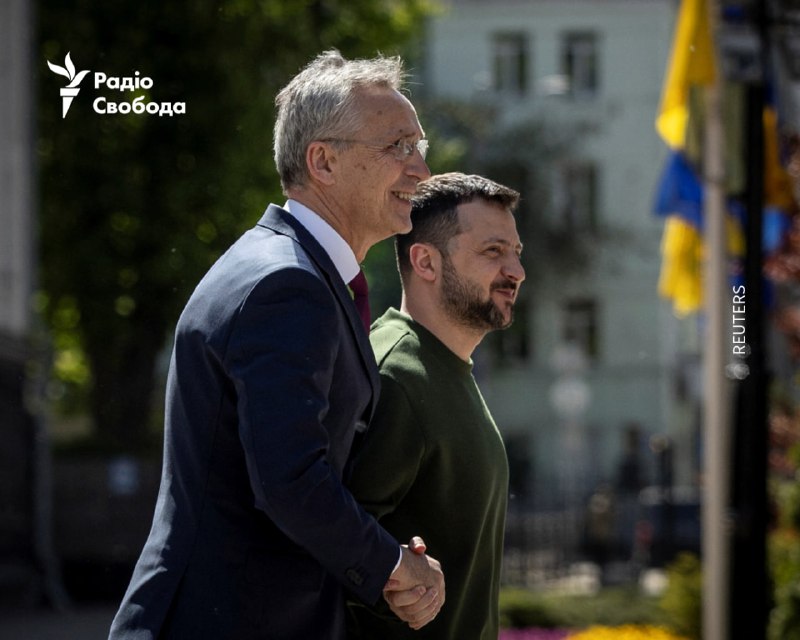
(135,208)
(611,606)
(683,600)
(783,540)
(784,561)
(520,609)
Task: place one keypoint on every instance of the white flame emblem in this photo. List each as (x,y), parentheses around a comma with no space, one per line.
(69,92)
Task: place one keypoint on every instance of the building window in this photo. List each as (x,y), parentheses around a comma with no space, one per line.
(510,62)
(577,198)
(579,325)
(579,64)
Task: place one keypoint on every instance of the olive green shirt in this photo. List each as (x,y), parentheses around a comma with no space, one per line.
(433,464)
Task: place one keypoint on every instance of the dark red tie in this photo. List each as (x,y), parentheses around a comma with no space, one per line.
(358,286)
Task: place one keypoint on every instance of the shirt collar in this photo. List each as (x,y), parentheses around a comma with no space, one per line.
(335,246)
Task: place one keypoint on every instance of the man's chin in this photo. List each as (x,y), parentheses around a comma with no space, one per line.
(405,224)
(401,222)
(507,318)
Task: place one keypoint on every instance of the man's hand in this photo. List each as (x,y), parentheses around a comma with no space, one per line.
(415,591)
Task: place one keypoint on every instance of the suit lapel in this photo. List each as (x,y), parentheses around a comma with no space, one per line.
(281,221)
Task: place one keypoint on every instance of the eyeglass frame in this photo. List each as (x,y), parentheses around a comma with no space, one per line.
(403,149)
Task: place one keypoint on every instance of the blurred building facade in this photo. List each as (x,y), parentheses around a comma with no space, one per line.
(594,355)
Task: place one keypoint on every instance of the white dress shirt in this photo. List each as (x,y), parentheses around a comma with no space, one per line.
(335,246)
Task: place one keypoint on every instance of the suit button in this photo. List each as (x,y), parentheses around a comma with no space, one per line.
(355,577)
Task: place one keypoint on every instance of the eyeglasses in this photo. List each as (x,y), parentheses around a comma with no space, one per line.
(402,150)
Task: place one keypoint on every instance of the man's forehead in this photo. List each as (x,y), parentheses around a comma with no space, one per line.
(488,218)
(390,110)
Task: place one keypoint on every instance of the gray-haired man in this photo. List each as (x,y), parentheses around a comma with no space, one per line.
(254,534)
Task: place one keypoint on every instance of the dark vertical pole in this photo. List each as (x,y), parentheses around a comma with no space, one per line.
(750,591)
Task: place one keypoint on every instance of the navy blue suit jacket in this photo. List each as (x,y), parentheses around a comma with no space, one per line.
(254,535)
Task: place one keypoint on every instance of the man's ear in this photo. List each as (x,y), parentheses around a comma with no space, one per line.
(320,162)
(425,260)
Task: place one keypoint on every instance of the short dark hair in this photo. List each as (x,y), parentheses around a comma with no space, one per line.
(434,210)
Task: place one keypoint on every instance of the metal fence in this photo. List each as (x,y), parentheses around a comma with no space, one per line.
(541,547)
(578,549)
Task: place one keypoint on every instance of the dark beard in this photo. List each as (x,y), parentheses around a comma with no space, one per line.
(465,304)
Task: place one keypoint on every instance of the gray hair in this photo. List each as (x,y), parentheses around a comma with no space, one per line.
(318,104)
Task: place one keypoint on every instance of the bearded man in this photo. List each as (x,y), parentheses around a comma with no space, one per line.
(433,462)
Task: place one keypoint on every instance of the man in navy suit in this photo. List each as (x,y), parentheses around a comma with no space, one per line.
(271,378)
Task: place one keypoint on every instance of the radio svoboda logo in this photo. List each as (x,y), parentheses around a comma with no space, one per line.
(140,105)
(69,92)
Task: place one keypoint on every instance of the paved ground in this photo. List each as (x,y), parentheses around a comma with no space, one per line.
(80,622)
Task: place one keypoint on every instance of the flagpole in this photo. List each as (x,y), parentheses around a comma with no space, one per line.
(716,414)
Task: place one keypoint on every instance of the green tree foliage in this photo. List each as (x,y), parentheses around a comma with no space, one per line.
(134,208)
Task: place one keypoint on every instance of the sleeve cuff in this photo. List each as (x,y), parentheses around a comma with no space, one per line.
(399,559)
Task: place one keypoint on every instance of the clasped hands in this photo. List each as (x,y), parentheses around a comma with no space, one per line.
(415,591)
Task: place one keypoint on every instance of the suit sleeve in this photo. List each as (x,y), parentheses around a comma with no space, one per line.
(388,459)
(281,358)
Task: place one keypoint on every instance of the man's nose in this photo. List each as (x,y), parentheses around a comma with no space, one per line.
(417,167)
(513,269)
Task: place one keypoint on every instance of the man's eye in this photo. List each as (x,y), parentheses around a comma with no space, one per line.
(404,147)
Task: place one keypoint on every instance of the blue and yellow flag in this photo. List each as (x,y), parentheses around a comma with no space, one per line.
(680,192)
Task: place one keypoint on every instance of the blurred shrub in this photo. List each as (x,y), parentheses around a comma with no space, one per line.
(683,599)
(520,609)
(784,560)
(533,634)
(783,541)
(615,606)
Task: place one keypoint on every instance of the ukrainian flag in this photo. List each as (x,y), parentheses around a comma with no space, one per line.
(680,193)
